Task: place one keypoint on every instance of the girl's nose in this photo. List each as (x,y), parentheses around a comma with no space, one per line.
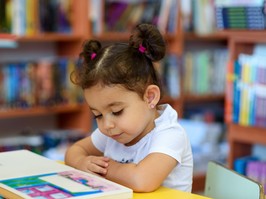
(108,122)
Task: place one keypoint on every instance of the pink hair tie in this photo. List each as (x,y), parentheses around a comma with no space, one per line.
(142,49)
(93,55)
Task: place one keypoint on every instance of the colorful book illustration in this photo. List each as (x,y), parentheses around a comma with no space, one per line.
(24,174)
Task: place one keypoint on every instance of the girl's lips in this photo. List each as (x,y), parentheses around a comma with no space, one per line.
(116,136)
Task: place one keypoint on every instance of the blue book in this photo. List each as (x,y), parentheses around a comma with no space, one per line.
(237,92)
(240,164)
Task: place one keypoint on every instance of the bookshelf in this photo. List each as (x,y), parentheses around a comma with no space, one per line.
(235,41)
(78,116)
(241,138)
(67,116)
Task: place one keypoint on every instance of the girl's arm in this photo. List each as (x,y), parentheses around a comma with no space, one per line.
(146,176)
(84,156)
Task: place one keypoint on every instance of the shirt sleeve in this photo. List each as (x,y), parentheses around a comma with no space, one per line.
(99,140)
(172,141)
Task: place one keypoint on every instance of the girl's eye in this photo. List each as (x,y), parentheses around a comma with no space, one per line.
(97,116)
(118,112)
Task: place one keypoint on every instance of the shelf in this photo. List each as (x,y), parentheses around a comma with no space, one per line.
(246,134)
(241,139)
(38,111)
(210,37)
(52,37)
(198,182)
(7,36)
(224,35)
(42,37)
(123,36)
(204,98)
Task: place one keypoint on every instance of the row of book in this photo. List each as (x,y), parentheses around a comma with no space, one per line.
(241,14)
(28,17)
(208,16)
(248,84)
(42,142)
(170,72)
(124,15)
(204,71)
(249,18)
(43,82)
(252,167)
(46,82)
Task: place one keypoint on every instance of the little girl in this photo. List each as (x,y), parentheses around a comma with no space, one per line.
(138,143)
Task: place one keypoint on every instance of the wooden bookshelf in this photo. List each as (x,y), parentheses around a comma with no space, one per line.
(38,111)
(76,116)
(198,182)
(203,98)
(49,37)
(242,138)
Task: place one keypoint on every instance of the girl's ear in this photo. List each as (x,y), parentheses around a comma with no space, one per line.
(152,95)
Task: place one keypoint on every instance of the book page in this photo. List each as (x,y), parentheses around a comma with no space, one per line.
(21,163)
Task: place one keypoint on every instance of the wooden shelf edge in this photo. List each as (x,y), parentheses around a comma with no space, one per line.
(198,182)
(38,111)
(189,36)
(44,37)
(246,134)
(226,34)
(124,36)
(204,98)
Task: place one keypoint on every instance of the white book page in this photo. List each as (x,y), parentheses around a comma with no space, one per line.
(15,164)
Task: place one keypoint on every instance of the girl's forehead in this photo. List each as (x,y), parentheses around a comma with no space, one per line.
(103,97)
(107,88)
(107,93)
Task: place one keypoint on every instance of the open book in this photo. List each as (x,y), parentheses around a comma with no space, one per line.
(24,174)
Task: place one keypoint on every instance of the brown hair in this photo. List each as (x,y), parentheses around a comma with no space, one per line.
(122,63)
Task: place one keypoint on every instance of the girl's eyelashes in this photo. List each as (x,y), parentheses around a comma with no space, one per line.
(117,113)
(97,116)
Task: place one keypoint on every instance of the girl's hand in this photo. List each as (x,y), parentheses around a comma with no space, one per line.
(95,164)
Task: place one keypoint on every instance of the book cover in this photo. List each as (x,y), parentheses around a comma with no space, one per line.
(229,92)
(24,174)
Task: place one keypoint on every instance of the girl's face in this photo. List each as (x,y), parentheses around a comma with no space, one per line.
(120,114)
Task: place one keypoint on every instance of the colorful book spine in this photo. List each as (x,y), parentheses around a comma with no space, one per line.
(249,91)
(240,17)
(124,15)
(204,72)
(229,99)
(42,83)
(256,170)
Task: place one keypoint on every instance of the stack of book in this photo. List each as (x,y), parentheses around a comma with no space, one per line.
(248,88)
(251,167)
(43,82)
(28,17)
(169,70)
(248,15)
(204,71)
(123,16)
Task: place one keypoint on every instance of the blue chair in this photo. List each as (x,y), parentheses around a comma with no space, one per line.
(224,183)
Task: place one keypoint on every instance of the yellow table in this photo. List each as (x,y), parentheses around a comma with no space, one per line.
(167,193)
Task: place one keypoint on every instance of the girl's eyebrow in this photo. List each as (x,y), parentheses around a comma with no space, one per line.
(109,105)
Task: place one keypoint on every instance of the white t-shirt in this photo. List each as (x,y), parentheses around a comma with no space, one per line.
(167,137)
